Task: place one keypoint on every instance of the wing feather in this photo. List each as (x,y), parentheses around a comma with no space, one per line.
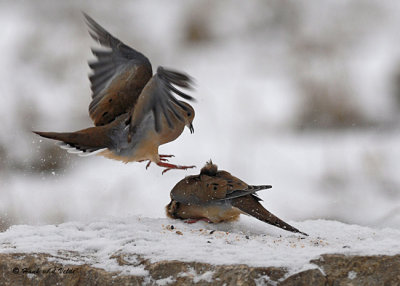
(158,97)
(119,74)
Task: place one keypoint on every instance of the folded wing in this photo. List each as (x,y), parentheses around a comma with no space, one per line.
(206,189)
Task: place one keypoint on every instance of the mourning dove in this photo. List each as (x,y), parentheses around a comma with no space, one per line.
(217,196)
(134,112)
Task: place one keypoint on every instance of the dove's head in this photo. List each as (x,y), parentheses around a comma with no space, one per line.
(188,115)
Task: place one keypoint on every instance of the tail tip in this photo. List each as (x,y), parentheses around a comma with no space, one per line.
(303,233)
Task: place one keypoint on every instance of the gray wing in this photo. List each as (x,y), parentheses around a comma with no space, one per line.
(250,190)
(237,188)
(119,75)
(158,97)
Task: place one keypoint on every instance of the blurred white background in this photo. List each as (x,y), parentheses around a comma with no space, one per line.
(302,95)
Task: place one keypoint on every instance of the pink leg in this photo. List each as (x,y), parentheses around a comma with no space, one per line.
(163,158)
(166,156)
(172,166)
(148,164)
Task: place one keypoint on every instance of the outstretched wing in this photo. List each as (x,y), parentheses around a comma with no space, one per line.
(158,97)
(119,75)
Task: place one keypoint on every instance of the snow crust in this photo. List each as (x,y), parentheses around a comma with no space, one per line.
(247,241)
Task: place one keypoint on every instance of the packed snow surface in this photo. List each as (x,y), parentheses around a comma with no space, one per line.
(247,241)
(255,68)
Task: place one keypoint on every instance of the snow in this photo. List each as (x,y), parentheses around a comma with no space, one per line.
(206,276)
(249,70)
(165,281)
(247,241)
(352,275)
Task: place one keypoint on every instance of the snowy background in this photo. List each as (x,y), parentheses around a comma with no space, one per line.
(302,95)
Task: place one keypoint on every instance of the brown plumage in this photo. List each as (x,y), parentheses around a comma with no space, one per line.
(134,111)
(217,196)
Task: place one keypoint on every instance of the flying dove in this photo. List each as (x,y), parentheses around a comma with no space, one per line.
(217,196)
(134,111)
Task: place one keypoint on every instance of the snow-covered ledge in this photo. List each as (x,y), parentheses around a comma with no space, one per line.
(162,251)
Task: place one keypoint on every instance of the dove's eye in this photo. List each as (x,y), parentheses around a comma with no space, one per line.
(188,114)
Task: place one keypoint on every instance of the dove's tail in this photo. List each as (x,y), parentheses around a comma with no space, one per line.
(84,142)
(249,204)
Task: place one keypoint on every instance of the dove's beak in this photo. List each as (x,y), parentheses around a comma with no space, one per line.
(190,126)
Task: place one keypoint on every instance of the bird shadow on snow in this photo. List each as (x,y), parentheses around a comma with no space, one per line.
(244,226)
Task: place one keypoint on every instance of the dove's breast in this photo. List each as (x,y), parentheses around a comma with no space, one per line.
(214,212)
(143,144)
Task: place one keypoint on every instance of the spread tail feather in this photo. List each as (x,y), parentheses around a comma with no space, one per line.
(84,141)
(250,205)
(54,135)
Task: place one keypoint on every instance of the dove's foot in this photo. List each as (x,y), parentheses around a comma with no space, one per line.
(166,156)
(168,166)
(148,164)
(163,158)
